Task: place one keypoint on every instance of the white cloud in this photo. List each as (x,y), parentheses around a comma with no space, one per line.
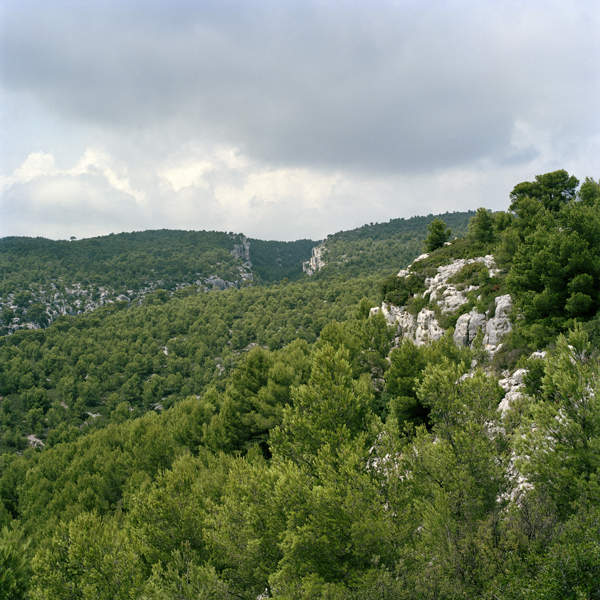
(98,161)
(189,175)
(40,165)
(37,164)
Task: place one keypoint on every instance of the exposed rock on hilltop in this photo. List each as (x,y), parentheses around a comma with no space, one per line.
(444,294)
(242,250)
(316,262)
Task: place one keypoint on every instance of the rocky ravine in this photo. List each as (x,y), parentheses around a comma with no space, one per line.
(424,327)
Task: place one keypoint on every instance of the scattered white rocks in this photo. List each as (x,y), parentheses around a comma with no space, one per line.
(448,297)
(513,385)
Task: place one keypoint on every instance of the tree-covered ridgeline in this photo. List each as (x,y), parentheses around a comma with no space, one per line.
(380,248)
(41,279)
(278,441)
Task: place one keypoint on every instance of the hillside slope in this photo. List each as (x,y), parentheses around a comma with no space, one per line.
(42,279)
(284,441)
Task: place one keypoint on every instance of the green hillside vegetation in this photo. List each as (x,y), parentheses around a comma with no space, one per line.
(41,279)
(383,247)
(123,261)
(278,441)
(274,261)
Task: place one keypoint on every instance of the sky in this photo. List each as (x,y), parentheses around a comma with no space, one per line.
(286,119)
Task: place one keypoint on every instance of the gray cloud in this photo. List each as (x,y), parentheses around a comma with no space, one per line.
(376,86)
(380,95)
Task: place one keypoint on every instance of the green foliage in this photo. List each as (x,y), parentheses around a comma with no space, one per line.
(257,442)
(571,567)
(481,227)
(471,274)
(397,290)
(438,235)
(272,261)
(552,191)
(561,453)
(169,517)
(408,365)
(555,277)
(329,411)
(382,248)
(91,557)
(589,193)
(14,563)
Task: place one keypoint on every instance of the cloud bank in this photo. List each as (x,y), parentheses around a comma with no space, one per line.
(286,119)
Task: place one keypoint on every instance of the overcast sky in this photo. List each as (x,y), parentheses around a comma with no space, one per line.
(286,119)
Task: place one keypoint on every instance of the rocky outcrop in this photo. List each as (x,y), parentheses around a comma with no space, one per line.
(316,262)
(242,251)
(513,385)
(424,327)
(448,297)
(428,329)
(467,327)
(498,326)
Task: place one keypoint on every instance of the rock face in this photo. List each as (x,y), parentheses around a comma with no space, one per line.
(428,329)
(316,262)
(513,386)
(499,325)
(467,327)
(243,250)
(425,327)
(448,297)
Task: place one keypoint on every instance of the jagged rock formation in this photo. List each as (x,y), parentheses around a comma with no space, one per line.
(424,327)
(242,250)
(513,386)
(428,329)
(316,262)
(499,325)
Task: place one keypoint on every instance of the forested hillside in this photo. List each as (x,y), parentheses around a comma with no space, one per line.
(283,440)
(383,247)
(42,279)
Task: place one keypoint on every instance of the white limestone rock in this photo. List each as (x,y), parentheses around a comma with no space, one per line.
(391,313)
(467,327)
(452,299)
(499,325)
(449,299)
(513,385)
(428,329)
(397,315)
(316,262)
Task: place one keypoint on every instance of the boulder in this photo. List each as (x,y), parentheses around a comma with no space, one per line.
(467,327)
